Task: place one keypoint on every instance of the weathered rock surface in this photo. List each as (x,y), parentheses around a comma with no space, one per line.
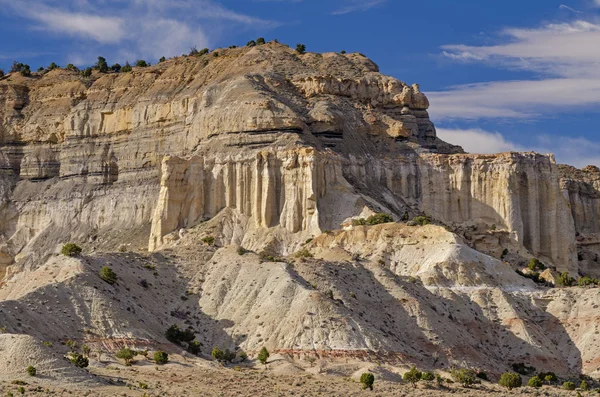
(266,149)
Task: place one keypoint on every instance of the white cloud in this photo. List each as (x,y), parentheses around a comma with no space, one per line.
(564,56)
(357,5)
(101,29)
(478,141)
(576,151)
(135,28)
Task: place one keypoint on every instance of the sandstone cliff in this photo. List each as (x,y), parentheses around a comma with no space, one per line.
(267,149)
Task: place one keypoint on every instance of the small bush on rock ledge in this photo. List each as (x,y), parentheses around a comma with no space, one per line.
(108,275)
(70,249)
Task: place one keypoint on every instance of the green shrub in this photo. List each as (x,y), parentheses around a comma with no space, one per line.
(303,253)
(421,220)
(210,240)
(1,73)
(21,389)
(535,381)
(53,66)
(379,218)
(25,70)
(241,251)
(586,281)
(568,386)
(565,280)
(141,63)
(251,43)
(194,347)
(522,368)
(428,376)
(160,357)
(343,52)
(260,41)
(126,355)
(510,380)
(413,376)
(162,59)
(464,376)
(175,335)
(31,371)
(243,356)
(108,275)
(72,68)
(203,51)
(127,68)
(482,375)
(367,379)
(263,355)
(584,385)
(504,252)
(79,360)
(87,72)
(359,222)
(101,65)
(218,354)
(535,264)
(300,48)
(70,249)
(116,67)
(548,377)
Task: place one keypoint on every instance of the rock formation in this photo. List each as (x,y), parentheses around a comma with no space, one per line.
(267,149)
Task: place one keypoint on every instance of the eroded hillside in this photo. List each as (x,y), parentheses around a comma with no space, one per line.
(229,193)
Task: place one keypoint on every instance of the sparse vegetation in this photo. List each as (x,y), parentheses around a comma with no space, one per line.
(72,68)
(548,377)
(116,67)
(304,253)
(71,249)
(413,376)
(300,48)
(367,379)
(568,386)
(535,381)
(373,220)
(126,355)
(53,66)
(535,264)
(108,275)
(101,65)
(194,347)
(522,369)
(31,371)
(175,335)
(263,356)
(464,376)
(565,280)
(421,220)
(584,386)
(126,68)
(428,376)
(260,41)
(140,63)
(251,43)
(482,375)
(79,360)
(160,357)
(87,72)
(209,240)
(510,380)
(241,251)
(162,59)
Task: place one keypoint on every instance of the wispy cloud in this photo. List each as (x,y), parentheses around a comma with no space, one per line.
(564,57)
(357,5)
(576,151)
(135,28)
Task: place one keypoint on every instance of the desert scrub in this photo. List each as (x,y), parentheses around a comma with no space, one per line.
(31,371)
(376,219)
(79,360)
(160,357)
(71,249)
(209,240)
(421,220)
(535,381)
(510,380)
(303,253)
(108,275)
(413,376)
(263,355)
(126,355)
(367,379)
(464,376)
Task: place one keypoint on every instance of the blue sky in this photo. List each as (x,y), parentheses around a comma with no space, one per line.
(500,75)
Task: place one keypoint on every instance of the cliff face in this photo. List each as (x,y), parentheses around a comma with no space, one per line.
(294,142)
